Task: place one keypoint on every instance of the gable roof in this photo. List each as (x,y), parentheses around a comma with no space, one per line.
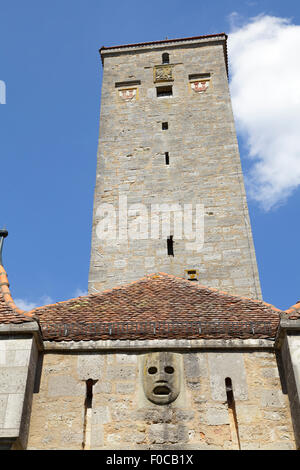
(161,299)
(9,312)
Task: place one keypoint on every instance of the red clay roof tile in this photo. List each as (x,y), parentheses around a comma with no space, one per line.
(9,312)
(153,299)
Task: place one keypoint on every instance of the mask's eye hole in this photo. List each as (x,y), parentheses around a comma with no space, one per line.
(169,370)
(152,370)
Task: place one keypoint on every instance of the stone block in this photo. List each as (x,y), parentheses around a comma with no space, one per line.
(126,358)
(102,387)
(271,399)
(65,386)
(121,372)
(100,415)
(124,387)
(3,404)
(13,379)
(167,433)
(90,366)
(153,415)
(96,437)
(270,372)
(183,415)
(195,365)
(14,409)
(223,365)
(216,415)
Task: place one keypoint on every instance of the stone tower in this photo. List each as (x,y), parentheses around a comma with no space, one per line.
(168,140)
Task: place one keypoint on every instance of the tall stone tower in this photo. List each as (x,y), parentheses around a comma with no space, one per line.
(168,141)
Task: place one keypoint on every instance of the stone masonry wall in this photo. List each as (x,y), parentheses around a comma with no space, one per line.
(18,356)
(121,417)
(204,168)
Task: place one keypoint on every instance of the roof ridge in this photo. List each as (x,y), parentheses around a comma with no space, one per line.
(6,294)
(213,289)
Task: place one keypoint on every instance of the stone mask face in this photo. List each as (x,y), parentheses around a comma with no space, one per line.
(161,377)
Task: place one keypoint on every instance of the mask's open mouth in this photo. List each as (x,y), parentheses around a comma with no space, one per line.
(161,390)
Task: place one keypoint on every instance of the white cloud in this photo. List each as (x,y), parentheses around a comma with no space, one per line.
(26,305)
(265,70)
(80,292)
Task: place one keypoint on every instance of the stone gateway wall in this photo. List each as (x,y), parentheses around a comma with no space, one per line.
(116,410)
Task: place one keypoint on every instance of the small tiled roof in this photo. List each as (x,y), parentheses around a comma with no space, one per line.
(160,299)
(9,312)
(293,313)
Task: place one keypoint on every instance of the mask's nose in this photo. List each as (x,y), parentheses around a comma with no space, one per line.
(162,376)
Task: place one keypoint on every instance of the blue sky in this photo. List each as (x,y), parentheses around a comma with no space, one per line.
(50,64)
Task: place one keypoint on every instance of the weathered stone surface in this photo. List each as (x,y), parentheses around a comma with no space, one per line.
(229,365)
(200,422)
(129,358)
(100,415)
(270,372)
(103,387)
(18,360)
(121,373)
(90,366)
(272,399)
(204,168)
(65,386)
(13,380)
(167,433)
(3,404)
(195,365)
(124,387)
(217,415)
(154,415)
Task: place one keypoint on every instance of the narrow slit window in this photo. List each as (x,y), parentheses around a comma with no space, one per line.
(232,412)
(229,392)
(165,58)
(170,245)
(165,126)
(87,421)
(167,159)
(164,91)
(89,393)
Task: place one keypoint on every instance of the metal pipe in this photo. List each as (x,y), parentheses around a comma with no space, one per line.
(3,234)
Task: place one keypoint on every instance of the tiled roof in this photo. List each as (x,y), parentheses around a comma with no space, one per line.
(161,299)
(9,312)
(293,313)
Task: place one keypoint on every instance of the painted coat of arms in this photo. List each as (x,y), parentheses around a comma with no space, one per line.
(128,95)
(200,86)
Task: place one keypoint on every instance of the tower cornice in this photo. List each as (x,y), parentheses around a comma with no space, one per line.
(165,44)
